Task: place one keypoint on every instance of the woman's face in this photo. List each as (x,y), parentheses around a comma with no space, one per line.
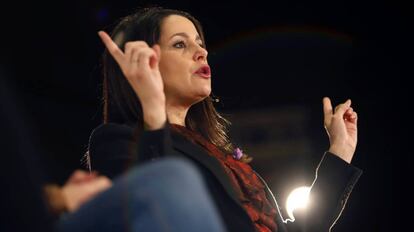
(183,64)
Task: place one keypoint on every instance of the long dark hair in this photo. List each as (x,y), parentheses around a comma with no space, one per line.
(121,105)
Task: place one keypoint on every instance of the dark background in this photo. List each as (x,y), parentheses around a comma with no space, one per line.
(264,55)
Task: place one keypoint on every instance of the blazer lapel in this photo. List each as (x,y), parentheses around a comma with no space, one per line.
(212,164)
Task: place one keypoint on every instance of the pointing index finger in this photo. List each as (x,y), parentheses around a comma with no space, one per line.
(111,46)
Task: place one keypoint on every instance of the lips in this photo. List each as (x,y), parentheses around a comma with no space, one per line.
(204,72)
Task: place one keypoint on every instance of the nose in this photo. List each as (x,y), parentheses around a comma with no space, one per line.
(200,54)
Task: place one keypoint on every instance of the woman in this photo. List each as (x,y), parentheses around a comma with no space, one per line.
(157,86)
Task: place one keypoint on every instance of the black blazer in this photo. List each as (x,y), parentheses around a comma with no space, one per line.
(114,148)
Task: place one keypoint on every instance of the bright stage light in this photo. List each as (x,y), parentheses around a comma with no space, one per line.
(298,198)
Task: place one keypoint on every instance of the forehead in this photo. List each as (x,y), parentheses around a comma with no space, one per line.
(173,24)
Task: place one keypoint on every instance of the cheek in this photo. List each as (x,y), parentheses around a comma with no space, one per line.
(164,69)
(173,69)
(169,67)
(172,75)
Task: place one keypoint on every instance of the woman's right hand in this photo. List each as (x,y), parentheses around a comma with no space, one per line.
(139,64)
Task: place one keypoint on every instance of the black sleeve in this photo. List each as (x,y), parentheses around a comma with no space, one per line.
(114,148)
(154,144)
(330,190)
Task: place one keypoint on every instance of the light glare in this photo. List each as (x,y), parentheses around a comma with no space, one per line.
(298,198)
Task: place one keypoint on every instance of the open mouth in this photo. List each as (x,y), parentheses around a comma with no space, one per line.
(204,71)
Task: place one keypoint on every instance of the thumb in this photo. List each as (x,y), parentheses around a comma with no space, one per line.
(348,103)
(343,107)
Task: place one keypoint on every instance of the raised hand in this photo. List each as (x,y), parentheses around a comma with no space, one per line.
(341,126)
(139,64)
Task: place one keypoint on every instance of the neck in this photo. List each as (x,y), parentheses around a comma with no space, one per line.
(176,113)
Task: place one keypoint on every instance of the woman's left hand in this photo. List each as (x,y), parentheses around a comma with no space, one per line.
(341,126)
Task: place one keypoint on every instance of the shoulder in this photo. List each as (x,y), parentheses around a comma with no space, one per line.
(110,132)
(109,135)
(109,148)
(111,129)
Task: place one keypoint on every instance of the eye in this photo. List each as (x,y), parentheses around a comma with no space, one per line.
(179,44)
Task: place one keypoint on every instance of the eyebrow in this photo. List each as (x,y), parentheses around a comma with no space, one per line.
(185,35)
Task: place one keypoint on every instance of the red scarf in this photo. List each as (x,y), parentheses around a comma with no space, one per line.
(249,188)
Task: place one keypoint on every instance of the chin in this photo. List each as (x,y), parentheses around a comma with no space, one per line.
(201,97)
(206,94)
(207,90)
